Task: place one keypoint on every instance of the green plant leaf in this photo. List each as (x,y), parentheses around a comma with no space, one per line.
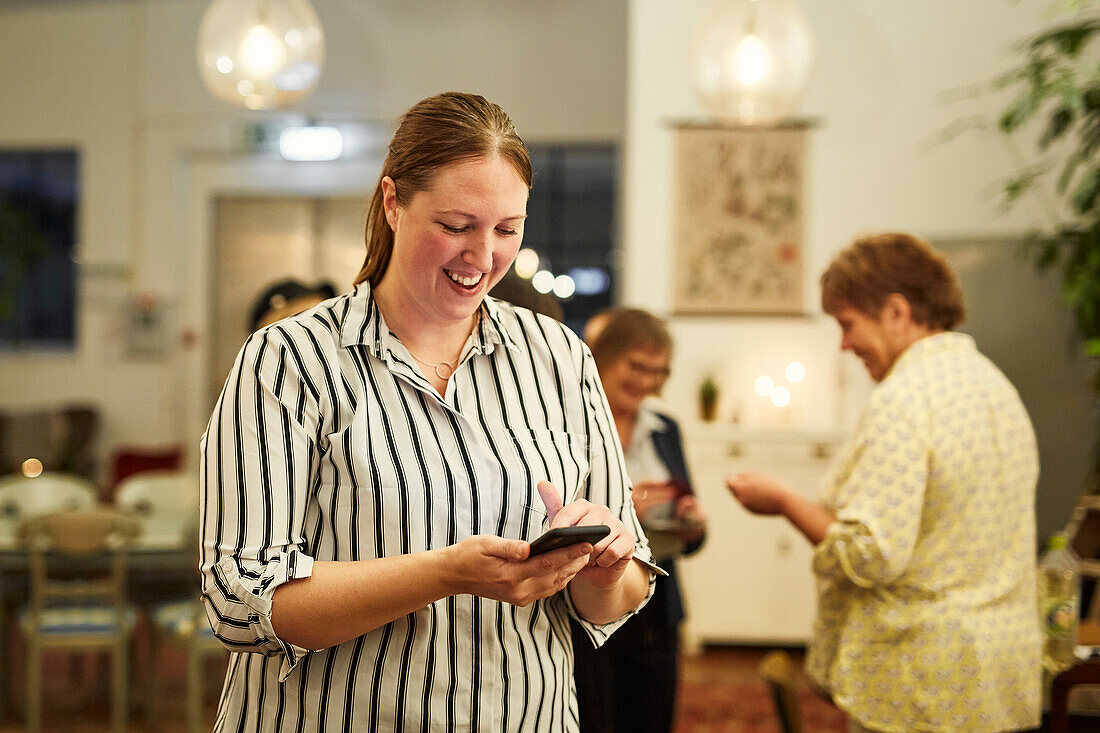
(1048,255)
(1019,112)
(1084,196)
(1059,122)
(1069,40)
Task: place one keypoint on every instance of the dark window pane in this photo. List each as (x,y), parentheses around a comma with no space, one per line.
(39,200)
(571,220)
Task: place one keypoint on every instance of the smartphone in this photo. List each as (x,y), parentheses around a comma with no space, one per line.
(565,536)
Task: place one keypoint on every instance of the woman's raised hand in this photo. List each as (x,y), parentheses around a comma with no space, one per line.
(612,554)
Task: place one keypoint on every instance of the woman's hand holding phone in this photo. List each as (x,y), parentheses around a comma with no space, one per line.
(585,541)
(503,569)
(611,555)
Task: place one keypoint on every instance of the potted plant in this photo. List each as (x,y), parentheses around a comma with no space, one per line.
(708,398)
(1056,85)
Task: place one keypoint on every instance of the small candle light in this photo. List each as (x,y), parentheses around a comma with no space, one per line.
(781,397)
(795,372)
(32,467)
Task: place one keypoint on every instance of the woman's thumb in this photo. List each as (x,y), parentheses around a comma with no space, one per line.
(551,499)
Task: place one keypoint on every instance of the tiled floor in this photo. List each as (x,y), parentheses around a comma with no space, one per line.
(721,692)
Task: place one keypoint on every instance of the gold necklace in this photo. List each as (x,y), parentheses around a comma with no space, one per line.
(444,375)
(450,365)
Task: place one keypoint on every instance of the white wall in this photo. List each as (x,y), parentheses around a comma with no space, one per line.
(882,75)
(118,79)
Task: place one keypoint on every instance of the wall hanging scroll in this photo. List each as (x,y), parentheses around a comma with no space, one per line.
(739,219)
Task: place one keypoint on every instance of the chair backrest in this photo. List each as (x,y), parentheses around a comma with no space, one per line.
(78,557)
(779,672)
(165,503)
(23,498)
(1083,535)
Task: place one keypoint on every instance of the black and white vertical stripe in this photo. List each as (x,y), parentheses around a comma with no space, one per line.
(328,444)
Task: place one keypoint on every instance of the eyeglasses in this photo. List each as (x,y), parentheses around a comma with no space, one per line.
(644,370)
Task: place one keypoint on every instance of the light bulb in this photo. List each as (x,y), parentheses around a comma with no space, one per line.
(261,54)
(751,59)
(315,142)
(527,263)
(543,281)
(564,287)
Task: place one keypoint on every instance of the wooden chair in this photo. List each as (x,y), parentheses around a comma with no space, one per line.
(1082,673)
(779,672)
(23,498)
(184,622)
(166,504)
(78,598)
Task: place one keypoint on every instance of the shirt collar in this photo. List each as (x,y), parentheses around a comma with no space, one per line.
(492,327)
(646,424)
(364,325)
(936,343)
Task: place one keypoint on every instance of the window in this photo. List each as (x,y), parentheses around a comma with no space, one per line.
(571,223)
(39,199)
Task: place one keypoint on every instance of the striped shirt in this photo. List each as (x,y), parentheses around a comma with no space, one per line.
(327,443)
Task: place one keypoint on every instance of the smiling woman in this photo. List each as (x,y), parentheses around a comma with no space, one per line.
(452,243)
(377,465)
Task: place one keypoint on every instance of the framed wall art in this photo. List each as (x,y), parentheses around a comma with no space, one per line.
(739,220)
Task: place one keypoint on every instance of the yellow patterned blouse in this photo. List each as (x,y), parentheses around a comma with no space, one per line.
(927,614)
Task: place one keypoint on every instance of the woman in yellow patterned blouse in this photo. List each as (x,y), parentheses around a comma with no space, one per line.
(925,531)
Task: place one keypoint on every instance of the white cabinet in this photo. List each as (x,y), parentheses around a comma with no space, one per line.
(751,581)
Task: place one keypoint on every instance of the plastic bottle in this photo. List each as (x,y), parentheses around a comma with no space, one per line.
(1059,600)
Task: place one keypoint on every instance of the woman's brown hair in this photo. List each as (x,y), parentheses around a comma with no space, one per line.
(865,274)
(435,132)
(626,329)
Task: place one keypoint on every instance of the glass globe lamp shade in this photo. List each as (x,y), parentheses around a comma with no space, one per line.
(752,59)
(262,54)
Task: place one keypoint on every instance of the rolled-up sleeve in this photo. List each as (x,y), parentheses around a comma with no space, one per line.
(878,498)
(608,485)
(258,455)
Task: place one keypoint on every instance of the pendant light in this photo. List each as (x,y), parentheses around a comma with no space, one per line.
(262,54)
(752,59)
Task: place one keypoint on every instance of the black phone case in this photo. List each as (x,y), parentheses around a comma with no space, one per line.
(565,536)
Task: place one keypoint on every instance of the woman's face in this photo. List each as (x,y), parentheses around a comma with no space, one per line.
(632,377)
(871,338)
(454,241)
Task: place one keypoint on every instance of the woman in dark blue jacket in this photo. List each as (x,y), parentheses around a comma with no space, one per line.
(629,684)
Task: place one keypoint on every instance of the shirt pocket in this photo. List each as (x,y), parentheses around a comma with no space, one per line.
(371,497)
(539,454)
